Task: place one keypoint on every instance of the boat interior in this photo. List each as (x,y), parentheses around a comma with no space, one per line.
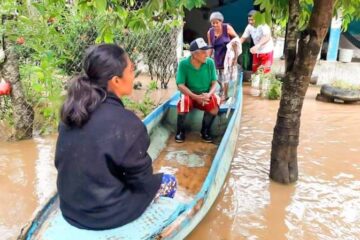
(191,160)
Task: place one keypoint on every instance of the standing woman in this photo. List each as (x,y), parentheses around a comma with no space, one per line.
(219,35)
(105,175)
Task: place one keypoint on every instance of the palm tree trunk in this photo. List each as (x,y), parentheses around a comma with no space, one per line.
(284,167)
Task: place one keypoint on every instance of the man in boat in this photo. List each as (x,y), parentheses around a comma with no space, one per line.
(196,80)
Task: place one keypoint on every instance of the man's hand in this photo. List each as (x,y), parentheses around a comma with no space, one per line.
(254,49)
(203,98)
(206,98)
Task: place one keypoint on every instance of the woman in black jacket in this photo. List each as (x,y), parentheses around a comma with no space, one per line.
(105,176)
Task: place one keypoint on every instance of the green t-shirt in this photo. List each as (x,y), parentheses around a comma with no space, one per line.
(197,80)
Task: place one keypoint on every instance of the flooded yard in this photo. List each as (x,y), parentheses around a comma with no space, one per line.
(323,204)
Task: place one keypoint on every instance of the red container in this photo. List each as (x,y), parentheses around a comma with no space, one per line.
(5,88)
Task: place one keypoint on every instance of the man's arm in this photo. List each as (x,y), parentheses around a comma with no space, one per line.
(186,91)
(214,78)
(242,39)
(213,87)
(245,35)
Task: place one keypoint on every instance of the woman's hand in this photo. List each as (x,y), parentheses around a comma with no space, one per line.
(234,47)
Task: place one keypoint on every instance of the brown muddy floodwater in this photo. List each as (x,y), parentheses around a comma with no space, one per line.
(27,179)
(323,204)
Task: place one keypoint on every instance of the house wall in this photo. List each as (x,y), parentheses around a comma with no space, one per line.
(354,28)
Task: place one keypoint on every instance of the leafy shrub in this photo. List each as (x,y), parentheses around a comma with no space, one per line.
(78,34)
(44,89)
(51,40)
(267,84)
(142,108)
(153,85)
(50,46)
(274,91)
(6,111)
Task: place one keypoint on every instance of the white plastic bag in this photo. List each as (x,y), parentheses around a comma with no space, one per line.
(255,86)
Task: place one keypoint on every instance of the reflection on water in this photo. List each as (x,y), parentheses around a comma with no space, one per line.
(27,179)
(323,204)
(45,169)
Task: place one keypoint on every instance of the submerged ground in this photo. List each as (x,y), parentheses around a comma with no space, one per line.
(322,204)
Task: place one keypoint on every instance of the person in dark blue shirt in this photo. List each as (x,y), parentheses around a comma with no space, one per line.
(105,175)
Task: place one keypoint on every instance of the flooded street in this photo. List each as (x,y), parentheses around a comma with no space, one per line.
(323,204)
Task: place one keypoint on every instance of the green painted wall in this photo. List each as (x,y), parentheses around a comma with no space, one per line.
(354,28)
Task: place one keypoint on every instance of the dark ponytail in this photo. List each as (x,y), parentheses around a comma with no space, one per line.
(86,92)
(82,99)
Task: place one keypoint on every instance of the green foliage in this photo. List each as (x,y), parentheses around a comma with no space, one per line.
(278,31)
(53,41)
(153,85)
(143,107)
(136,15)
(277,12)
(146,105)
(8,6)
(274,12)
(58,31)
(6,111)
(274,91)
(44,89)
(50,37)
(78,33)
(349,11)
(268,84)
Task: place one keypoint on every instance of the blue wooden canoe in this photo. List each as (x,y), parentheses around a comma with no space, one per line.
(200,180)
